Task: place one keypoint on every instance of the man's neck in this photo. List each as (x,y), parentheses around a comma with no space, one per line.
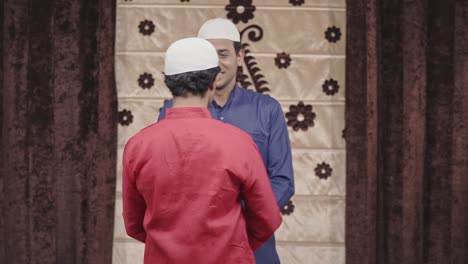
(222,96)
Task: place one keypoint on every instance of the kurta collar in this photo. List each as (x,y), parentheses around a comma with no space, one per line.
(187,112)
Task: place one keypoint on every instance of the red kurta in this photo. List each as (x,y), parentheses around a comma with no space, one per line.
(183,178)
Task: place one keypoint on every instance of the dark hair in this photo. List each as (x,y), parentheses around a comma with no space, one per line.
(237,46)
(191,83)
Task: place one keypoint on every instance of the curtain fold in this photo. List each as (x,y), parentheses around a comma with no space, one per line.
(59,131)
(407,132)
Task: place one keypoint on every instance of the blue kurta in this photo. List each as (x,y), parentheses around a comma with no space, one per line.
(262,118)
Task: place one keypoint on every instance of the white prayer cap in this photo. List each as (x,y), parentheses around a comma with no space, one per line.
(219,28)
(188,55)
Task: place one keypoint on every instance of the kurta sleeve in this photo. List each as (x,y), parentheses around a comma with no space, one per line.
(279,164)
(262,213)
(134,205)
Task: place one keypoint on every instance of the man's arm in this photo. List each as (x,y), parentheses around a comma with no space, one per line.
(134,205)
(262,213)
(279,165)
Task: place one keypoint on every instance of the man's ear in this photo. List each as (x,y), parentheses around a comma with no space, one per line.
(240,57)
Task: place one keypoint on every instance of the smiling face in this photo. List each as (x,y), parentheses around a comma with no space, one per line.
(228,62)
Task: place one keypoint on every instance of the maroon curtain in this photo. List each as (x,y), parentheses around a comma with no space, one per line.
(407,131)
(58,131)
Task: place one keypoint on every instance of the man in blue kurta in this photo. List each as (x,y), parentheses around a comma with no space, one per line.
(259,115)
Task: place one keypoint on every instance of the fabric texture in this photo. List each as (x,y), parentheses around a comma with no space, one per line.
(182,188)
(407,132)
(58,131)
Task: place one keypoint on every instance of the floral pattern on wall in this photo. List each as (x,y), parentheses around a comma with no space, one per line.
(282,60)
(330,87)
(288,209)
(333,34)
(240,10)
(296,2)
(146,27)
(300,117)
(323,170)
(146,80)
(254,34)
(125,117)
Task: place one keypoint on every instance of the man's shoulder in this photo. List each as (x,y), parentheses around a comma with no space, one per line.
(142,135)
(264,99)
(150,129)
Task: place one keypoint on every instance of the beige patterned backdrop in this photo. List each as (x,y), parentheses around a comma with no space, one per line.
(295,53)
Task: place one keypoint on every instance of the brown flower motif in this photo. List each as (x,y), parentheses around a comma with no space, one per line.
(296,2)
(146,81)
(240,10)
(333,34)
(288,209)
(323,170)
(300,116)
(282,60)
(125,117)
(330,87)
(146,27)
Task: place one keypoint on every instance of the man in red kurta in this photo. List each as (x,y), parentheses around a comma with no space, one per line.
(184,177)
